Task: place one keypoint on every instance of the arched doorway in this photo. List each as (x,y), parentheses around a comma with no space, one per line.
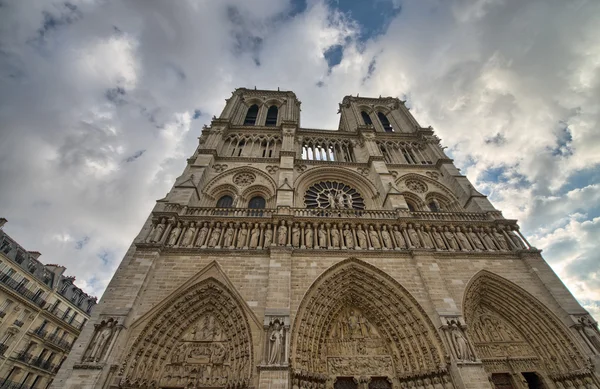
(521,343)
(357,325)
(200,339)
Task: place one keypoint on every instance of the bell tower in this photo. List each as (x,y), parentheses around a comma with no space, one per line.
(356,258)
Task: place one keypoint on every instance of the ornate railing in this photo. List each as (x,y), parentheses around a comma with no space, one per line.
(20,288)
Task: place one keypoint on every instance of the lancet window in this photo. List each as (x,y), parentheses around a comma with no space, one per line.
(251,116)
(404,153)
(252,146)
(366,118)
(385,123)
(319,149)
(272,116)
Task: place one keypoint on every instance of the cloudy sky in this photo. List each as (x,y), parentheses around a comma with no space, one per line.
(102,101)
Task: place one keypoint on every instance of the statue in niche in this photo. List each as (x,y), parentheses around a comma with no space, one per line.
(282,234)
(414,237)
(214,236)
(447,383)
(276,344)
(374,238)
(228,236)
(437,237)
(308,236)
(331,200)
(348,238)
(488,241)
(174,235)
(591,332)
(464,242)
(450,239)
(349,201)
(268,236)
(427,242)
(386,237)
(475,239)
(189,235)
(398,237)
(322,236)
(156,233)
(362,237)
(461,347)
(295,235)
(500,239)
(254,236)
(335,237)
(202,235)
(242,235)
(517,242)
(103,333)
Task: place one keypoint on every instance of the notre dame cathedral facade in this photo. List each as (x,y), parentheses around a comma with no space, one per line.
(296,258)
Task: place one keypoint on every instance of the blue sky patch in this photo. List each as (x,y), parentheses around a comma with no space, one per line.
(374,17)
(333,55)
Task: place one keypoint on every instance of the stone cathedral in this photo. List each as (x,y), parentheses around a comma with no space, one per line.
(359,258)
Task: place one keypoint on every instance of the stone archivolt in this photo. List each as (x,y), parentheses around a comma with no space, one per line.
(513,332)
(357,321)
(259,177)
(201,338)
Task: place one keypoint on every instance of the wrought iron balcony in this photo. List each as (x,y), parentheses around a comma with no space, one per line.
(7,384)
(20,288)
(59,342)
(24,356)
(18,323)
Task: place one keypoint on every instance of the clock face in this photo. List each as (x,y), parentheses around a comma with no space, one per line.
(333,195)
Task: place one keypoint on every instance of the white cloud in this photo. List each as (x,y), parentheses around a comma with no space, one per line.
(97,101)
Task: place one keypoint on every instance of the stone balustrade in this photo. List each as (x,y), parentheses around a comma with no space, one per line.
(221,228)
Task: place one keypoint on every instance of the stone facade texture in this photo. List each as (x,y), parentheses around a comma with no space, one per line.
(287,257)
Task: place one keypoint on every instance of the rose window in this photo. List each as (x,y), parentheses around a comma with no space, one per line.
(333,195)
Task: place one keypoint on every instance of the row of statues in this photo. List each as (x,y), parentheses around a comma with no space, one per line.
(357,236)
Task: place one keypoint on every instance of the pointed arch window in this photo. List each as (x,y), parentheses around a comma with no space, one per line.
(257,202)
(366,118)
(272,116)
(385,123)
(251,115)
(225,202)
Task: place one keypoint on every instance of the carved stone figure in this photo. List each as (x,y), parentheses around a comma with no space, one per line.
(189,235)
(322,236)
(156,233)
(254,236)
(450,239)
(308,236)
(268,236)
(463,352)
(591,332)
(102,334)
(413,236)
(282,234)
(447,383)
(517,242)
(295,235)
(348,238)
(275,344)
(174,235)
(488,240)
(500,239)
(242,235)
(228,236)
(387,238)
(437,237)
(427,242)
(362,237)
(202,235)
(462,239)
(214,236)
(335,237)
(475,239)
(400,242)
(375,243)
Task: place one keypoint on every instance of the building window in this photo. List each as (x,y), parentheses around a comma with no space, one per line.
(345,383)
(251,116)
(257,202)
(366,118)
(225,202)
(387,127)
(411,206)
(272,116)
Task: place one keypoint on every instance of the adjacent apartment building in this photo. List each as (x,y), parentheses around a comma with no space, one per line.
(42,312)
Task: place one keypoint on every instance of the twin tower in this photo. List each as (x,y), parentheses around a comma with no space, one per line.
(358,258)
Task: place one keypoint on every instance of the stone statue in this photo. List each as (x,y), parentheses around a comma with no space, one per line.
(308,236)
(463,352)
(437,383)
(487,240)
(375,243)
(398,237)
(475,239)
(361,235)
(500,239)
(99,341)
(157,231)
(296,235)
(450,239)
(517,242)
(339,199)
(228,237)
(437,237)
(322,236)
(414,237)
(331,200)
(174,236)
(447,383)
(349,201)
(254,236)
(427,242)
(276,344)
(189,235)
(335,237)
(268,236)
(349,239)
(242,235)
(387,238)
(591,332)
(464,242)
(214,236)
(202,235)
(282,234)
